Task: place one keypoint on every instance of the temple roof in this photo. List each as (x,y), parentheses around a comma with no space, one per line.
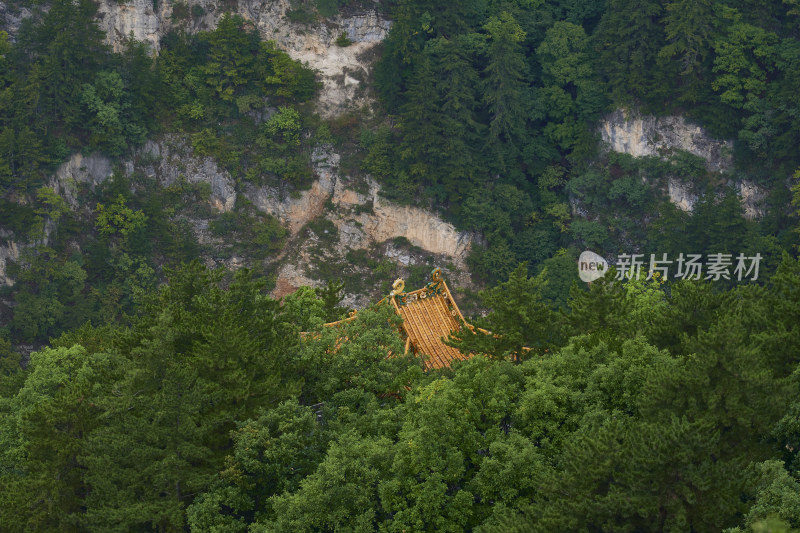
(429,315)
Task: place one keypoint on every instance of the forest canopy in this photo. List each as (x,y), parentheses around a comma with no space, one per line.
(141,390)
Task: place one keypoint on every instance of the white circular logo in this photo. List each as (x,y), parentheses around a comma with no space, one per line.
(591,266)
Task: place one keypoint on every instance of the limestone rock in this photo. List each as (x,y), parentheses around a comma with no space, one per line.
(8,252)
(340,68)
(289,279)
(359,225)
(11,18)
(297,212)
(172,159)
(642,135)
(681,194)
(639,135)
(753,198)
(121,20)
(92,170)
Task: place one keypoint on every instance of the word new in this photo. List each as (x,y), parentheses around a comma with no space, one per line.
(591,266)
(690,266)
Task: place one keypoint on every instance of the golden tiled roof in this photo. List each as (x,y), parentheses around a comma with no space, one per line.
(429,315)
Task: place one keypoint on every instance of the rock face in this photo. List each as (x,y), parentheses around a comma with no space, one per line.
(172,159)
(639,135)
(629,132)
(341,69)
(681,194)
(92,170)
(137,18)
(363,219)
(752,199)
(169,160)
(11,18)
(387,221)
(296,212)
(8,252)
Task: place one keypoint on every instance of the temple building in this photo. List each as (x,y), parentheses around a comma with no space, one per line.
(429,315)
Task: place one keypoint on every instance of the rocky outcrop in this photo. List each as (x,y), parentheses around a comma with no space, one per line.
(79,169)
(136,18)
(639,135)
(363,219)
(8,252)
(387,221)
(681,194)
(753,198)
(341,69)
(168,160)
(172,159)
(11,18)
(296,212)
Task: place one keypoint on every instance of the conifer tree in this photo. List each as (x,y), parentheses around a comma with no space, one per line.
(200,358)
(629,38)
(520,324)
(420,122)
(505,89)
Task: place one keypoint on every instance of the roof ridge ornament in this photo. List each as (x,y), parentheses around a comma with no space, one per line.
(398,286)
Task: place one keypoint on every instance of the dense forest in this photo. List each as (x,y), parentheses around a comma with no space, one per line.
(163,395)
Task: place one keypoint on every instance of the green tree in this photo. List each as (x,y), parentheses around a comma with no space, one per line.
(331,295)
(420,123)
(233,52)
(280,74)
(457,80)
(776,500)
(570,91)
(118,219)
(105,102)
(690,27)
(50,297)
(521,323)
(451,462)
(345,484)
(505,88)
(69,46)
(331,366)
(629,38)
(52,418)
(271,455)
(745,58)
(201,358)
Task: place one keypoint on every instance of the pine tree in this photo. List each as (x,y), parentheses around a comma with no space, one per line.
(200,358)
(505,89)
(690,26)
(69,46)
(420,122)
(457,80)
(520,324)
(629,38)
